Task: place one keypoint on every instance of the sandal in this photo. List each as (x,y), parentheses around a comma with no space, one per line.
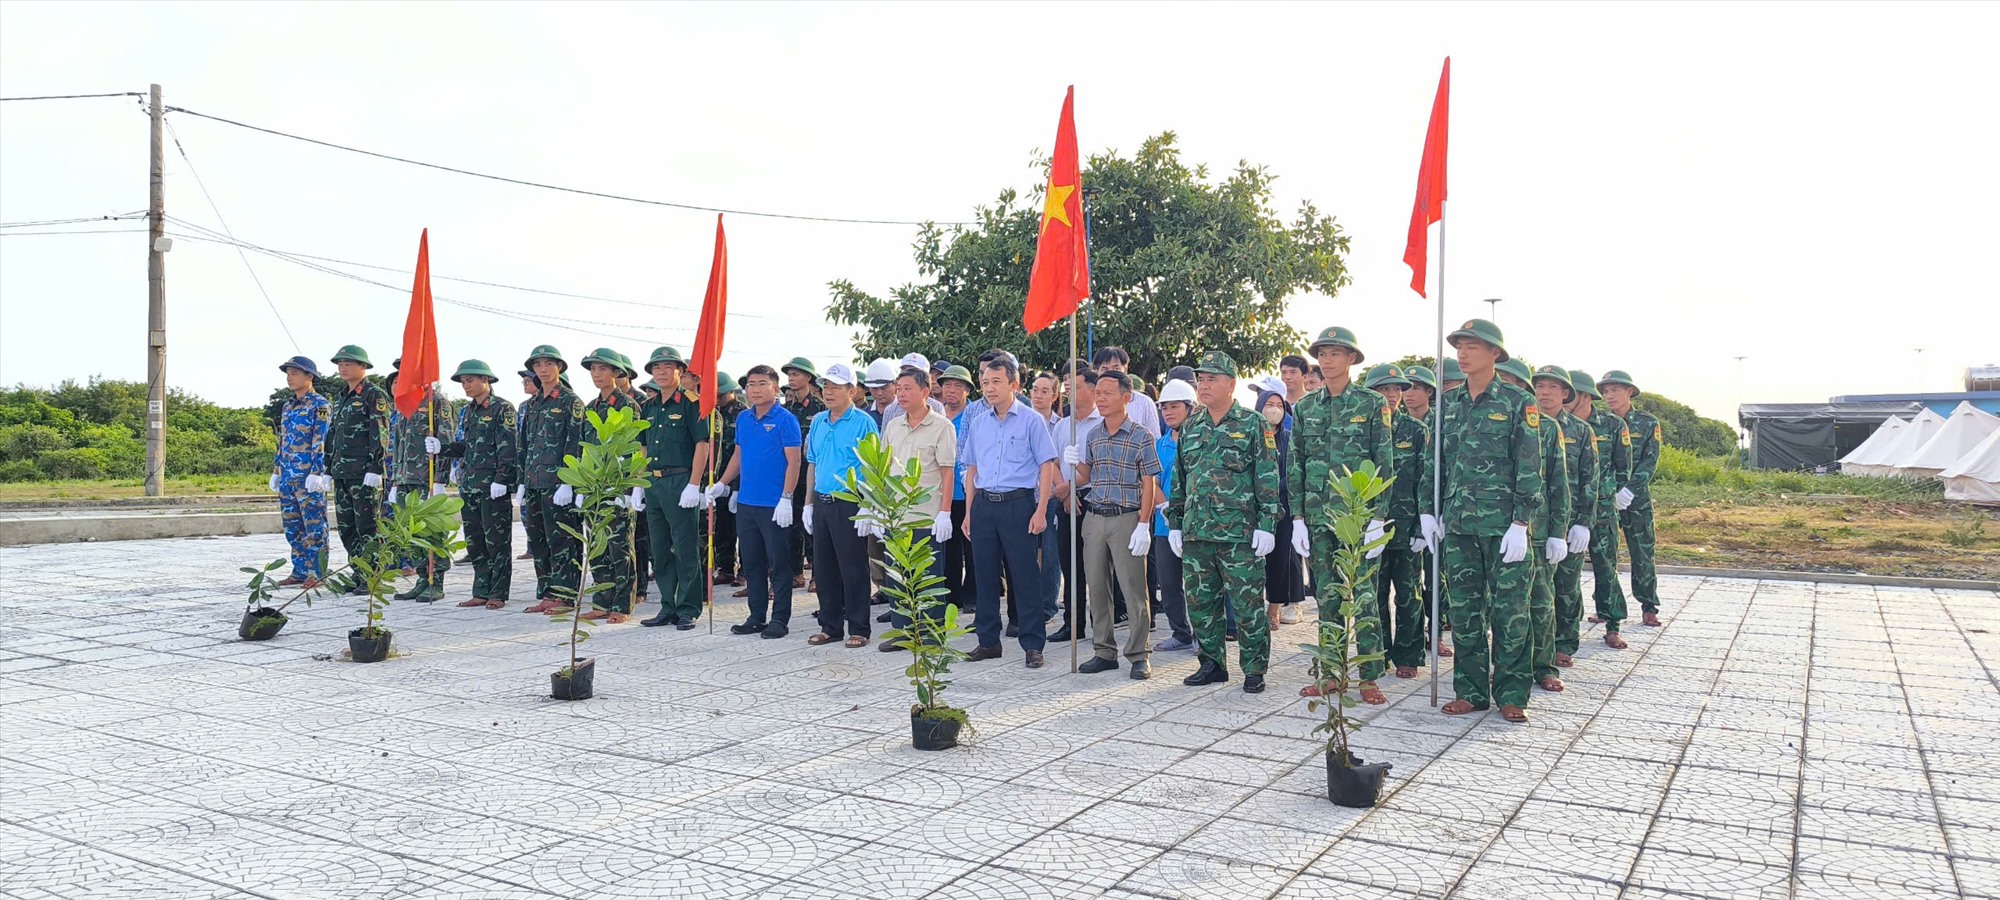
(856,642)
(1372,695)
(1461,707)
(496,604)
(1614,640)
(1564,661)
(1406,671)
(1551,684)
(595,615)
(1514,714)
(821,638)
(476,601)
(617,619)
(1444,652)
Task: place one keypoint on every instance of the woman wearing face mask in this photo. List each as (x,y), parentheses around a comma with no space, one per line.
(1284,584)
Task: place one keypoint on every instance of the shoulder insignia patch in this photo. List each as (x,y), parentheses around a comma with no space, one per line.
(1270,439)
(1625,437)
(1388,415)
(381,405)
(1656,431)
(1534,417)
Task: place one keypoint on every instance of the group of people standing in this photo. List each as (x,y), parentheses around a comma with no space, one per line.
(1183,502)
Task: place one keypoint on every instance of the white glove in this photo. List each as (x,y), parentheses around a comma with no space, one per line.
(690,497)
(941,527)
(1174,542)
(521,494)
(438,490)
(732,504)
(637,499)
(1622,499)
(1556,549)
(577,501)
(1579,539)
(495,491)
(782,516)
(1262,543)
(718,491)
(1433,533)
(563,494)
(1300,543)
(432,446)
(1514,544)
(274,482)
(1418,544)
(374,480)
(1142,539)
(1373,534)
(618,502)
(861,524)
(807,522)
(319,484)
(1072,456)
(394,492)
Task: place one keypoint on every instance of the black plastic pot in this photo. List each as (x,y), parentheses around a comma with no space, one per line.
(368,649)
(261,624)
(1357,786)
(576,685)
(932,734)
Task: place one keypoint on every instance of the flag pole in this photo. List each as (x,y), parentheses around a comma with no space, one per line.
(1075,553)
(708,478)
(1437,467)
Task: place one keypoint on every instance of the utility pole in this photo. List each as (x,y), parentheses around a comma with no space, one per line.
(1493,309)
(1920,369)
(156,313)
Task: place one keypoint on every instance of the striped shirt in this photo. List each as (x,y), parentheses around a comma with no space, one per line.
(1119,463)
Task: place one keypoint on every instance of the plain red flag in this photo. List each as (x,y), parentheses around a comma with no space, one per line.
(420,341)
(708,334)
(1060,279)
(1430,184)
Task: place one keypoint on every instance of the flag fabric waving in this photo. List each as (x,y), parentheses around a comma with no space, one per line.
(708,334)
(1060,279)
(1430,184)
(420,345)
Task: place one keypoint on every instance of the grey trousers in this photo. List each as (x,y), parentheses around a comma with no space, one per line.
(1105,554)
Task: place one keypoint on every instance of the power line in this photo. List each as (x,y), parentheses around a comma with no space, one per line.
(76,221)
(225,230)
(73,96)
(553,187)
(99,231)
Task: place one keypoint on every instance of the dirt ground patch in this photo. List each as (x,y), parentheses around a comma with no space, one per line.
(1839,534)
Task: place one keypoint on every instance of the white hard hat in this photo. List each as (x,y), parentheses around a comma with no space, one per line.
(917,361)
(1177,390)
(880,372)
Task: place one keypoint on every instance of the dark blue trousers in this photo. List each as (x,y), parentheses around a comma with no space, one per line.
(1000,538)
(766,554)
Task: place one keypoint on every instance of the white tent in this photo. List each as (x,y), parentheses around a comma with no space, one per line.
(1908,441)
(1967,426)
(1884,435)
(1975,477)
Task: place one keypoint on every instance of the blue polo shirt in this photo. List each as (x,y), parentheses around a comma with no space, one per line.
(831,447)
(958,468)
(1008,454)
(1169,446)
(762,441)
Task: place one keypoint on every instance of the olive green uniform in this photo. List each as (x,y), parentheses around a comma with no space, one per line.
(489,454)
(674,427)
(552,427)
(1551,521)
(357,442)
(1614,453)
(1332,433)
(616,565)
(1405,617)
(1580,457)
(1637,519)
(1227,473)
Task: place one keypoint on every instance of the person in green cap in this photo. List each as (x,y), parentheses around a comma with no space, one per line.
(415,441)
(1492,488)
(488,451)
(1403,629)
(607,367)
(1614,463)
(1554,527)
(1450,375)
(1634,498)
(1418,400)
(1579,443)
(728,403)
(1227,473)
(1338,427)
(357,445)
(552,426)
(677,447)
(802,400)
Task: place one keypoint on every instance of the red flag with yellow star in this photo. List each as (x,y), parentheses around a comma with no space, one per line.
(1060,279)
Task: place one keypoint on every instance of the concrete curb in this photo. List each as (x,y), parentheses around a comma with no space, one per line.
(191,500)
(1955,584)
(80,529)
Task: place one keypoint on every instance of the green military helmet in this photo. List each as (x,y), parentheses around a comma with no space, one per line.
(625,363)
(355,353)
(1618,376)
(1516,368)
(665,355)
(548,352)
(1557,374)
(1137,384)
(1482,330)
(604,356)
(563,379)
(1421,375)
(806,365)
(1581,380)
(725,385)
(1337,336)
(475,368)
(959,374)
(1451,370)
(1216,362)
(1387,373)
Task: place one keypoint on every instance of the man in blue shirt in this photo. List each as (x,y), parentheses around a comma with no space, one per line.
(839,542)
(1010,471)
(765,467)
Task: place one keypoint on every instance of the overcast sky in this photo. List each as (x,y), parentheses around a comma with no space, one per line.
(1658,188)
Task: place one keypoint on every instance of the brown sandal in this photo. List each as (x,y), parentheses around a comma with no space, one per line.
(856,642)
(1372,695)
(1614,640)
(1563,661)
(1445,652)
(1406,671)
(1514,714)
(617,618)
(1552,684)
(496,604)
(1461,707)
(476,601)
(821,638)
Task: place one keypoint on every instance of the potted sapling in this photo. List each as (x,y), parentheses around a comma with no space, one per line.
(1350,780)
(892,501)
(603,478)
(415,525)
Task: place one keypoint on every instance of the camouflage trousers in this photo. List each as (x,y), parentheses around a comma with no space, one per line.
(1608,599)
(1541,610)
(1224,572)
(1405,618)
(1368,619)
(489,540)
(616,567)
(430,573)
(355,514)
(558,558)
(304,514)
(1489,618)
(1637,522)
(1569,600)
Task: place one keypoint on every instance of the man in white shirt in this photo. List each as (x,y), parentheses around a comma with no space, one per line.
(1143,411)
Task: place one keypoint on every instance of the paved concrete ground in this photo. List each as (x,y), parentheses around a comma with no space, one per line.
(1774,740)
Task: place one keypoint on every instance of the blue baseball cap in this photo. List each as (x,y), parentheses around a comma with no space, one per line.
(301,363)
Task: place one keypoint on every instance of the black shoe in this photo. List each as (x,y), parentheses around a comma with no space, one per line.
(1142,670)
(980,654)
(1230,636)
(776,630)
(1034,659)
(685,625)
(1121,619)
(1209,673)
(882,618)
(747,628)
(1097,664)
(664,618)
(1013,630)
(1060,636)
(1253,684)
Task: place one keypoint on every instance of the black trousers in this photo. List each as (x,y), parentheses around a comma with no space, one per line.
(767,564)
(1001,545)
(840,566)
(958,579)
(725,539)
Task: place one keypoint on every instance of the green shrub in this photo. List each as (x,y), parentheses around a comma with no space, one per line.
(24,442)
(76,462)
(19,470)
(1788,481)
(1681,467)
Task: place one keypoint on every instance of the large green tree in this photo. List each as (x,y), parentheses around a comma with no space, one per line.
(1179,265)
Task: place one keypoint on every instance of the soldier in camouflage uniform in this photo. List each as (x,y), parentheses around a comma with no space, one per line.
(1226,477)
(1634,498)
(615,565)
(1614,465)
(676,449)
(489,462)
(1492,490)
(414,443)
(804,402)
(1403,620)
(1419,400)
(356,444)
(1548,536)
(1337,427)
(1579,443)
(729,402)
(552,426)
(298,475)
